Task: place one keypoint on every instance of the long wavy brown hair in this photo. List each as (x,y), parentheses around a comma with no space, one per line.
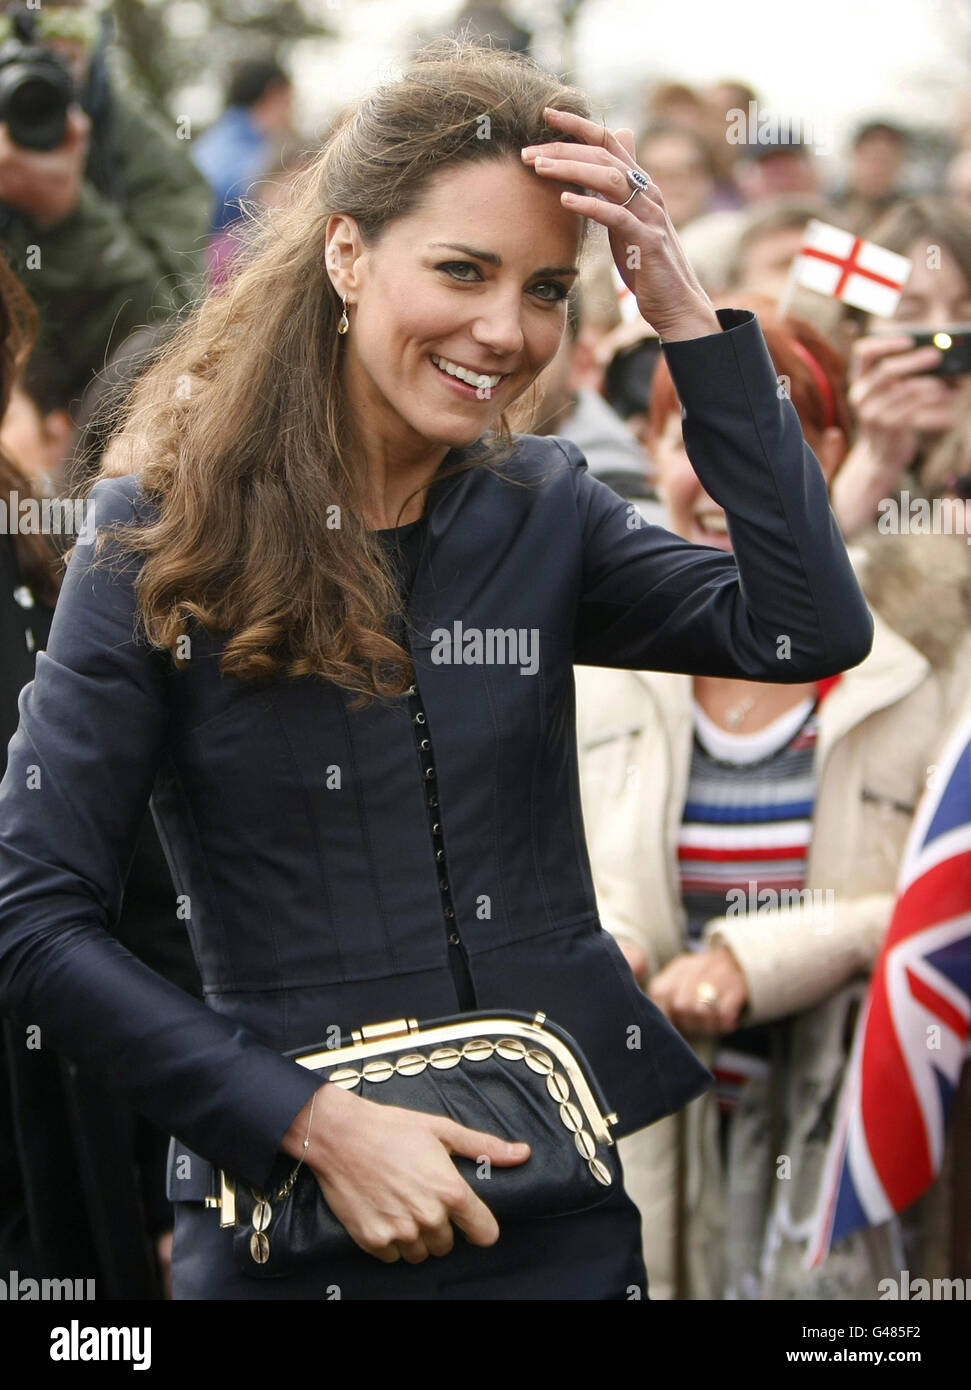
(240,433)
(36,557)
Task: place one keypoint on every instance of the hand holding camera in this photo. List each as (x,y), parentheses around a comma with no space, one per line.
(897,393)
(903,391)
(44,133)
(45,184)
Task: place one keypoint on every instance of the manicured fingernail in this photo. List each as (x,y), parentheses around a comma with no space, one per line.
(527,150)
(542,162)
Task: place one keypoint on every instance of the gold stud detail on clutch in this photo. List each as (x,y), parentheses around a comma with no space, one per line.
(585,1144)
(600,1171)
(558,1087)
(444,1057)
(511,1049)
(540,1062)
(478,1049)
(381,1070)
(345,1077)
(259,1247)
(411,1064)
(571,1117)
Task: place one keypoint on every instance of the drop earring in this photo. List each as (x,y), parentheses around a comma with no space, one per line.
(344,323)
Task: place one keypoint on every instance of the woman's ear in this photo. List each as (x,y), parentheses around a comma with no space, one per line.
(831,451)
(343,249)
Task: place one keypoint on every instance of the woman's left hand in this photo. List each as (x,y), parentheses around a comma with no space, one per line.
(701,991)
(645,246)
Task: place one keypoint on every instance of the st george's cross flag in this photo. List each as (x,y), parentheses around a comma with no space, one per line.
(834,262)
(912,1038)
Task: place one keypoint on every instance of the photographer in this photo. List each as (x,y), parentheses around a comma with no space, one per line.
(903,405)
(101,214)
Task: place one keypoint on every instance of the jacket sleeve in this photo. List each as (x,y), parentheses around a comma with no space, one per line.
(786,605)
(796,957)
(93,726)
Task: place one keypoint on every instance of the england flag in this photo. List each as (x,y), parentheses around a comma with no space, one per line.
(834,262)
(912,1039)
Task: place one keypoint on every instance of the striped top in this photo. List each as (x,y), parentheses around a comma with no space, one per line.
(748,815)
(744,838)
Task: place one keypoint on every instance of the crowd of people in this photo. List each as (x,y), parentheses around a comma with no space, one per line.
(831,772)
(111,235)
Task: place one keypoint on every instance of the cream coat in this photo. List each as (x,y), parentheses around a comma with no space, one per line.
(878,731)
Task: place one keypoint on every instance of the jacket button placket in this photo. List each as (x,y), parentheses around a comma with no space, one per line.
(458,961)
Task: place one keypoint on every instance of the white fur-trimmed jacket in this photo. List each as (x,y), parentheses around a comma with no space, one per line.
(878,732)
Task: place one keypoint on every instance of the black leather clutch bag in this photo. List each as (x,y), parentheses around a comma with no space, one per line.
(515,1075)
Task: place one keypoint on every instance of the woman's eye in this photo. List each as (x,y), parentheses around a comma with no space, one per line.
(555,291)
(452,266)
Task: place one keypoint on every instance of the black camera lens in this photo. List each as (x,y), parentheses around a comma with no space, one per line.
(36,89)
(37,109)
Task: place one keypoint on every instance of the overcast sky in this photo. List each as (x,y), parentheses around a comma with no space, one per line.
(818,60)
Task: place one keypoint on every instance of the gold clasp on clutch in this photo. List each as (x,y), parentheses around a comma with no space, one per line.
(393,1028)
(227,1201)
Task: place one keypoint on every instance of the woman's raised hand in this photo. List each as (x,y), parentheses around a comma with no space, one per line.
(388,1176)
(645,246)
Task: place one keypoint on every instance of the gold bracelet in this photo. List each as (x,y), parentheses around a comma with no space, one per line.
(288,1185)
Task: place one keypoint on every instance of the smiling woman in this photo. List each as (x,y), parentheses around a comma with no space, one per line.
(406,842)
(457,341)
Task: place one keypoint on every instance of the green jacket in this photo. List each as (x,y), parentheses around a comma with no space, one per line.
(110,266)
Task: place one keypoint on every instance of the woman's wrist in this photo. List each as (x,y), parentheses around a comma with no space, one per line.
(701,323)
(869,474)
(295,1141)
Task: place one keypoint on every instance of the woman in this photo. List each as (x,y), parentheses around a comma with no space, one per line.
(744,842)
(363,830)
(902,410)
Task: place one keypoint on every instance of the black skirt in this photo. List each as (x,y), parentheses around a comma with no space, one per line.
(590,1255)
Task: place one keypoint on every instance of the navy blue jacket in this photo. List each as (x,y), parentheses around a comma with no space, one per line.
(314,905)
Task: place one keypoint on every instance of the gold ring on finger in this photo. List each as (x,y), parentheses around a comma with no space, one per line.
(707,993)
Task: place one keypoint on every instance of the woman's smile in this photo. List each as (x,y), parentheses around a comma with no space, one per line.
(470,286)
(470,382)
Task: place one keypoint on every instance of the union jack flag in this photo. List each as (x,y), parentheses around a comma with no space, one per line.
(912,1038)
